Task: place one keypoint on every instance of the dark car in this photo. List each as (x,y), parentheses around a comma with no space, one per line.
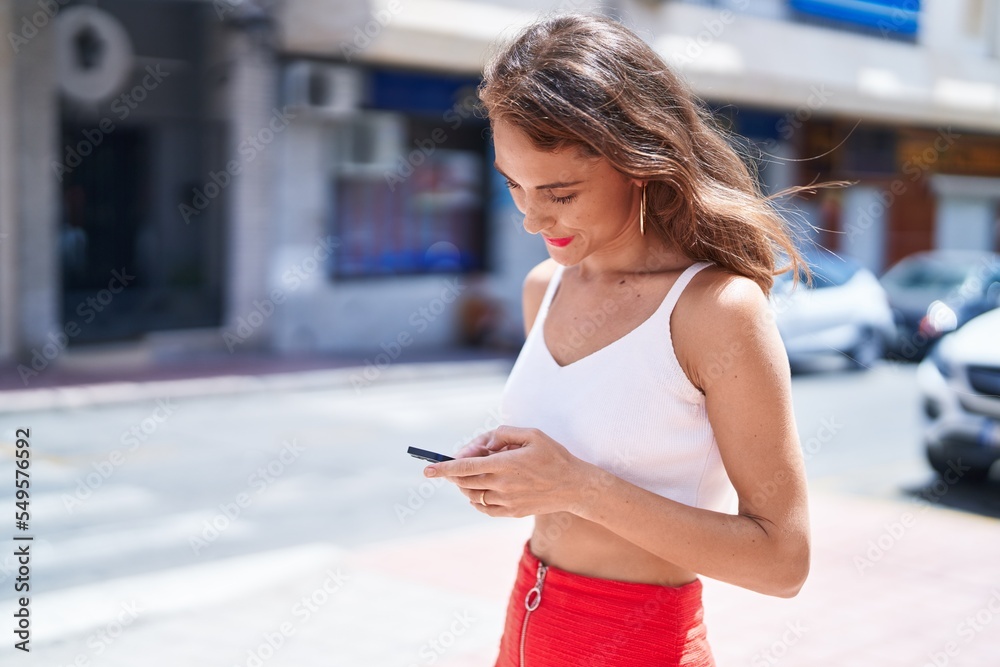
(933,293)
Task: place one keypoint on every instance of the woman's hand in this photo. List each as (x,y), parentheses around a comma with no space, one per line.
(523,471)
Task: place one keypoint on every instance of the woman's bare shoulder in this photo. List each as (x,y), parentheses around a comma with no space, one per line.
(533,290)
(720,292)
(722,316)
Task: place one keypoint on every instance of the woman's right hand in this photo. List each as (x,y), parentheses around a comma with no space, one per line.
(479,446)
(476,447)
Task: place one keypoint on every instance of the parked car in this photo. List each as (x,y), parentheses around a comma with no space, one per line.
(935,292)
(845,312)
(960,385)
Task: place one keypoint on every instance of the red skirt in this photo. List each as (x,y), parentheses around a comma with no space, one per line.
(557,618)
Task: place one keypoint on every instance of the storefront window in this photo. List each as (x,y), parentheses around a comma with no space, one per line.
(408,185)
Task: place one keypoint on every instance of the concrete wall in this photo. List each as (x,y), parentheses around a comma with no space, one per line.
(444,35)
(733,56)
(962,27)
(745,59)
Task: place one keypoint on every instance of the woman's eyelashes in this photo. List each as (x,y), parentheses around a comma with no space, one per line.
(558,200)
(562,200)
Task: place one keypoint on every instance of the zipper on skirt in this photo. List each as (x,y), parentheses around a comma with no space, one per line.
(531,602)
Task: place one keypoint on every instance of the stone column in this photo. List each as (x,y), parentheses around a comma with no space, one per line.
(8,191)
(255,123)
(35,207)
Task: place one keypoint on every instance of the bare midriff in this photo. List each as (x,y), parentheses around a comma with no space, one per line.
(569,542)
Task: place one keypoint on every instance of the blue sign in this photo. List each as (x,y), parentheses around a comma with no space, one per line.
(899,17)
(419,92)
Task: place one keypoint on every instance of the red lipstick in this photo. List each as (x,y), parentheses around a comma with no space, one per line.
(559,242)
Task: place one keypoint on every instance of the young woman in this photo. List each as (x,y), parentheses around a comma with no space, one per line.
(649,421)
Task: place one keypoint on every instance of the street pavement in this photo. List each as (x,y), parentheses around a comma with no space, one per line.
(276,520)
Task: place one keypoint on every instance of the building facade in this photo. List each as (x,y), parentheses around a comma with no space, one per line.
(311,175)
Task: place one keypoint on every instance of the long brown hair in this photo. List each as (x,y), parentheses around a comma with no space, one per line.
(587,81)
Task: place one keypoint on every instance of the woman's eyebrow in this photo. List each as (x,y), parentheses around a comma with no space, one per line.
(547,186)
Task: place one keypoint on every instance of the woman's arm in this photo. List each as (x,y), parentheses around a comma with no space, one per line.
(730,348)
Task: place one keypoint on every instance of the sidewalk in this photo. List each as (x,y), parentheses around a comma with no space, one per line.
(861,606)
(893,581)
(440,599)
(126,373)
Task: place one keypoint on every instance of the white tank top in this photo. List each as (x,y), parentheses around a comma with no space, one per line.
(627,408)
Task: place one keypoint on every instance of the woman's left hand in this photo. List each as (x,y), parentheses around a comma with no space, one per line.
(525,473)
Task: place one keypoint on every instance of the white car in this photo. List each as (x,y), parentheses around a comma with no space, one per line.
(960,385)
(844,313)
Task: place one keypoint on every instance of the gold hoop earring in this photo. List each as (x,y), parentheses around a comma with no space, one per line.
(642,211)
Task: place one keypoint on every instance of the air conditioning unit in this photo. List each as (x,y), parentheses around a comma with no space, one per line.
(373,140)
(333,89)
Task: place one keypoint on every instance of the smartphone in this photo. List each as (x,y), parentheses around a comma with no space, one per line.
(428,455)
